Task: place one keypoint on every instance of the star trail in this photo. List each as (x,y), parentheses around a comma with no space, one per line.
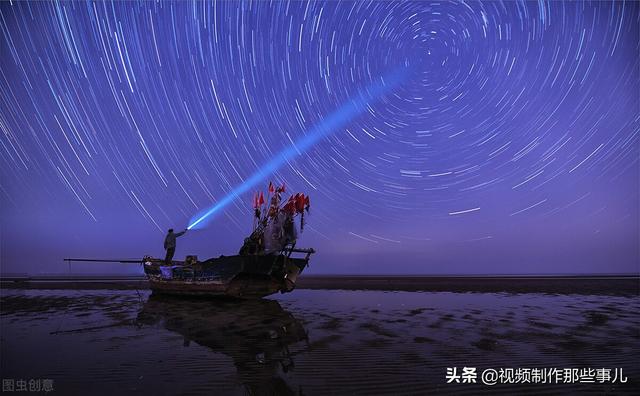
(511,145)
(337,119)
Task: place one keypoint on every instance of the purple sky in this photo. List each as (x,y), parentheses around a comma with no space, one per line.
(511,147)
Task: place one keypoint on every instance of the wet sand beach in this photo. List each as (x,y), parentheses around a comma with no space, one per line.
(596,284)
(313,342)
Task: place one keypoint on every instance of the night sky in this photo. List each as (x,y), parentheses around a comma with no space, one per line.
(510,145)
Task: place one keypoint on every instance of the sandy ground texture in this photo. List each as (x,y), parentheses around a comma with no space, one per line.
(595,284)
(313,342)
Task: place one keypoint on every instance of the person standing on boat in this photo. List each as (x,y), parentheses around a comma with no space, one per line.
(170,244)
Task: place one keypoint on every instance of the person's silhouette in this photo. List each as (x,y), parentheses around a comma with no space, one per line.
(170,244)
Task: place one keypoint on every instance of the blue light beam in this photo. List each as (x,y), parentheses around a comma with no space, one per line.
(351,109)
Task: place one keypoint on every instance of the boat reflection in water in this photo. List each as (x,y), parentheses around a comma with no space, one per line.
(256,334)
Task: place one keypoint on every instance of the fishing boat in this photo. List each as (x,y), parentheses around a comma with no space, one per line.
(268,262)
(240,276)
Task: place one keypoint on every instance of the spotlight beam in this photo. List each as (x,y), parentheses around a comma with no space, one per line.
(340,117)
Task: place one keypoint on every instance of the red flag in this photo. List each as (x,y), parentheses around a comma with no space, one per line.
(289,207)
(299,202)
(282,188)
(261,199)
(271,188)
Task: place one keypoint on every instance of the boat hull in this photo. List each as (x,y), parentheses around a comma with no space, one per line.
(226,276)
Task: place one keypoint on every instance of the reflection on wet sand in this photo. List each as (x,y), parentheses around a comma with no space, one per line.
(255,334)
(359,342)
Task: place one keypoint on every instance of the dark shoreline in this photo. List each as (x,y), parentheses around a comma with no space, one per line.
(628,285)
